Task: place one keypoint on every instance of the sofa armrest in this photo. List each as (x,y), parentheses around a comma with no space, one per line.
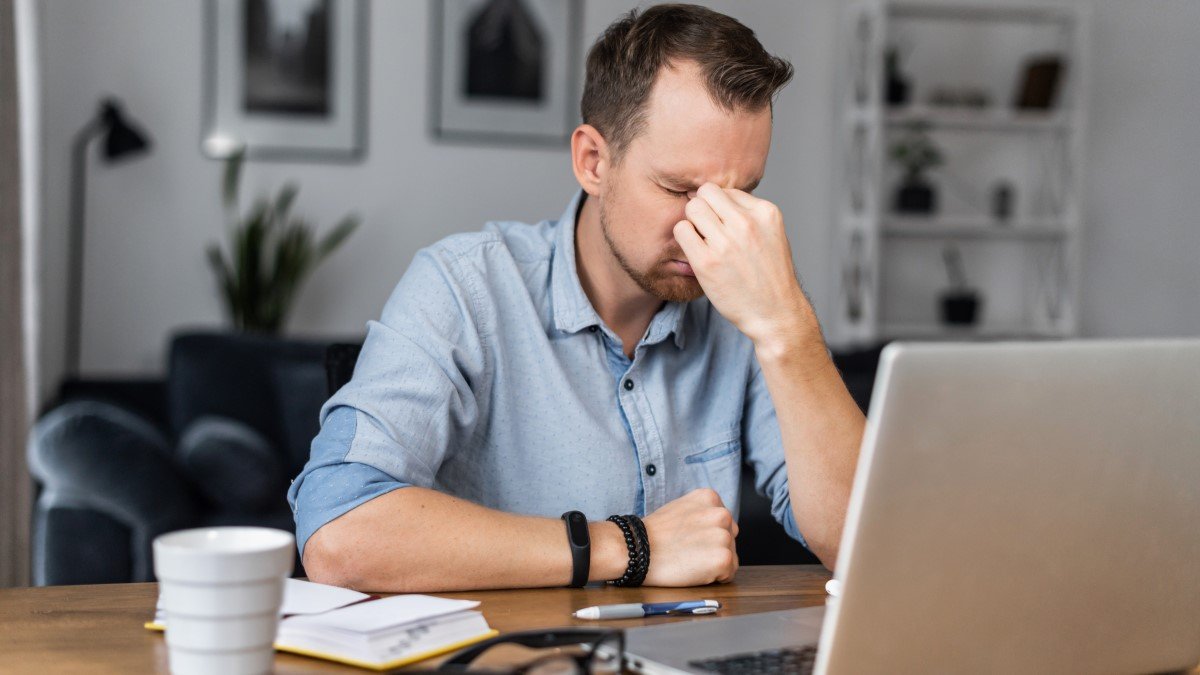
(100,456)
(79,545)
(232,466)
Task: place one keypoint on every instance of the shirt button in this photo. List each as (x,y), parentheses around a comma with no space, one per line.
(629,387)
(651,469)
(593,328)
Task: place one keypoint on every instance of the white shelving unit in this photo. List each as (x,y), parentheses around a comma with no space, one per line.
(889,265)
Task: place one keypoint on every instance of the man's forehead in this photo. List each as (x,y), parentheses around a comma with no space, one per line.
(680,95)
(687,135)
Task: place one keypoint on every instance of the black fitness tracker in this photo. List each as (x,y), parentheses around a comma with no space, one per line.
(581,547)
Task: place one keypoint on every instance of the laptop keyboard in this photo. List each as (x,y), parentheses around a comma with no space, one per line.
(788,661)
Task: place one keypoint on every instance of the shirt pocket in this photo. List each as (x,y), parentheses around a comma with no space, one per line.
(718,465)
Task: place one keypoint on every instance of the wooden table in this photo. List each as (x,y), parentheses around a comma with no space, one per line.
(75,629)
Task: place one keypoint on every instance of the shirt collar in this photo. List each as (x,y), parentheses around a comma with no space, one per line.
(573,310)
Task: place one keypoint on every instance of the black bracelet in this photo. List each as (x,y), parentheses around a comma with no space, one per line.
(639,529)
(638,545)
(630,544)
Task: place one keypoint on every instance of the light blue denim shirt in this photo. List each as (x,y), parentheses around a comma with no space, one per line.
(490,377)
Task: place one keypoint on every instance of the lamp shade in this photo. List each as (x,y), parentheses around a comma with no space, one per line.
(121,137)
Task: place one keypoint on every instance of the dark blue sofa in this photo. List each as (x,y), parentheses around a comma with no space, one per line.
(215,443)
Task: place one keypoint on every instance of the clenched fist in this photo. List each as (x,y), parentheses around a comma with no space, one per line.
(692,541)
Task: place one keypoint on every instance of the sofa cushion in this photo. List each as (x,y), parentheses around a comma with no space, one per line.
(300,391)
(229,375)
(233,466)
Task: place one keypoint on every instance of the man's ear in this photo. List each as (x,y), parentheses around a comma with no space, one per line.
(589,158)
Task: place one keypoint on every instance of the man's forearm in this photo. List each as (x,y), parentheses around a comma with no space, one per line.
(821,427)
(419,540)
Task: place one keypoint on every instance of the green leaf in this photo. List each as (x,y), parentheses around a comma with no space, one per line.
(233,173)
(225,280)
(283,202)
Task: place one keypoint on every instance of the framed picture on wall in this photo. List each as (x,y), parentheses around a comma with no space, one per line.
(504,70)
(285,78)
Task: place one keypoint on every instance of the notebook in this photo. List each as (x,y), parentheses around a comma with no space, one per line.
(367,631)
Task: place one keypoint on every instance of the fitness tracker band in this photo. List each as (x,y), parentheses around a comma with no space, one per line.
(581,547)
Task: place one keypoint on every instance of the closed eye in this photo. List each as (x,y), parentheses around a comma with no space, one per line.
(676,193)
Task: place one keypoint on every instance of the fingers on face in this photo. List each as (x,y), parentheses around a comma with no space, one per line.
(702,215)
(744,200)
(733,206)
(689,240)
(724,203)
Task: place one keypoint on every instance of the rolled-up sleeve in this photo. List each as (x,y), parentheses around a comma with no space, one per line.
(412,400)
(763,449)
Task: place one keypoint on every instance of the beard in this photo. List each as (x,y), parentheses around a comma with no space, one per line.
(658,280)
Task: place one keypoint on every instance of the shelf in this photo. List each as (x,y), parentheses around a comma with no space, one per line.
(972,228)
(978,119)
(887,263)
(937,331)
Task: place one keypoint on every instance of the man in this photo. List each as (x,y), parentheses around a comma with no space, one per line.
(621,360)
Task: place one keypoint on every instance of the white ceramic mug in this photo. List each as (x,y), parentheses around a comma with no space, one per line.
(221,589)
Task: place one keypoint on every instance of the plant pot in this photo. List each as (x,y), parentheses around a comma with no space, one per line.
(897,90)
(915,196)
(960,307)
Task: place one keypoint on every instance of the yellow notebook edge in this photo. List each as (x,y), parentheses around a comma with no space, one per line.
(454,646)
(413,658)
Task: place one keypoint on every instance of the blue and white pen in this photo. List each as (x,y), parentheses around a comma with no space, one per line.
(637,610)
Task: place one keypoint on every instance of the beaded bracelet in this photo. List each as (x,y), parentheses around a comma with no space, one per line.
(631,545)
(639,530)
(638,545)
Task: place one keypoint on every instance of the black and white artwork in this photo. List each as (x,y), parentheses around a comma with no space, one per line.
(504,69)
(285,78)
(287,57)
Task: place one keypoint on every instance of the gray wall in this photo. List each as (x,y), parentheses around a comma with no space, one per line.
(1141,264)
(149,221)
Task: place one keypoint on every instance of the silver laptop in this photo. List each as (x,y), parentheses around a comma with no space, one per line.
(1018,508)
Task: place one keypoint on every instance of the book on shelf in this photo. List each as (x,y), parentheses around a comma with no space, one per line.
(368,631)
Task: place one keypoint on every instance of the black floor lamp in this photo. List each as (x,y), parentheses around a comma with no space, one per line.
(121,140)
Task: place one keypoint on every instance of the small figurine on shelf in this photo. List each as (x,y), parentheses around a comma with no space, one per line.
(960,303)
(897,87)
(916,153)
(1002,202)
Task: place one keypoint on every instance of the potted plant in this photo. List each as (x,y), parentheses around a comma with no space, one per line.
(271,253)
(916,153)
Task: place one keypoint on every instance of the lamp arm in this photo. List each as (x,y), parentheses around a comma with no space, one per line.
(75,244)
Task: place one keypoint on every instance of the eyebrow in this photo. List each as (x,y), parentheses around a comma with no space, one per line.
(681,182)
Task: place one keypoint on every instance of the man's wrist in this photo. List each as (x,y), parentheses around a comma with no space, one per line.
(798,338)
(793,325)
(609,555)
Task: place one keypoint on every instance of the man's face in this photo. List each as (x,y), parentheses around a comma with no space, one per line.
(687,140)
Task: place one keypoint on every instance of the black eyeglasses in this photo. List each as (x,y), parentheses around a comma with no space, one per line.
(602,652)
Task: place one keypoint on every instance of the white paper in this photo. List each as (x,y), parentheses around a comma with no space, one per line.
(306,597)
(376,615)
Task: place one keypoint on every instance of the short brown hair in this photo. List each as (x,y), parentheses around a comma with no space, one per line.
(625,61)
